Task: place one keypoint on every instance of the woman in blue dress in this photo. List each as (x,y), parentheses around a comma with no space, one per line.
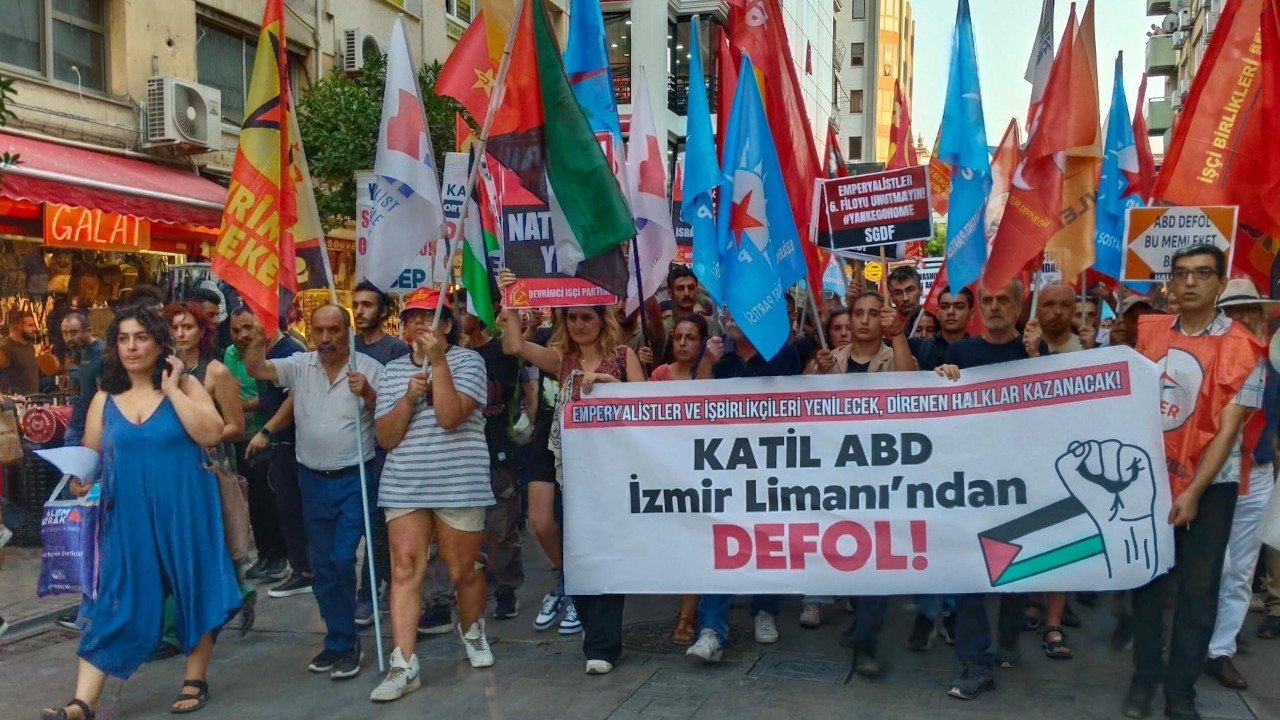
(160,531)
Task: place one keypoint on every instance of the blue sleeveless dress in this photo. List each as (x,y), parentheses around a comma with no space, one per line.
(160,534)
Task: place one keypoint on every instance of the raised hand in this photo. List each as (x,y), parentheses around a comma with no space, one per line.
(1117,487)
(171,379)
(1031,337)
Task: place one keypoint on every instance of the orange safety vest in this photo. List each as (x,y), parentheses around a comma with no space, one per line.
(1199,376)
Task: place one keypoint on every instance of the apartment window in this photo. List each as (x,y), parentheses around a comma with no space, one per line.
(859,9)
(680,53)
(224,60)
(60,39)
(617,39)
(460,9)
(855,149)
(855,101)
(857,55)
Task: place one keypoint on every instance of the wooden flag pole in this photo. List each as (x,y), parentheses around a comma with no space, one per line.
(479,148)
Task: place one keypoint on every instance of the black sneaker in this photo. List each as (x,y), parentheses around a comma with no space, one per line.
(505,605)
(295,585)
(1008,655)
(324,662)
(1137,702)
(973,681)
(255,571)
(922,632)
(348,666)
(436,620)
(68,621)
(948,630)
(276,569)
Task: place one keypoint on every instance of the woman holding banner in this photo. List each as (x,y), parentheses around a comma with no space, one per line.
(161,525)
(585,349)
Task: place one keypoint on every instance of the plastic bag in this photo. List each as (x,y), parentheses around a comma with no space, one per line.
(69,560)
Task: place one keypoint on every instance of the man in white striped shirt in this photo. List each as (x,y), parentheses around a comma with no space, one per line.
(436,477)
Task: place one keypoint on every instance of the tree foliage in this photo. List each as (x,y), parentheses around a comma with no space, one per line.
(936,246)
(339,118)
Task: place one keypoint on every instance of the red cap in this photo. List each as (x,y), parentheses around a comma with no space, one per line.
(424,298)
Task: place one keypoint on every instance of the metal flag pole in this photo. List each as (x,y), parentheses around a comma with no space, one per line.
(480,145)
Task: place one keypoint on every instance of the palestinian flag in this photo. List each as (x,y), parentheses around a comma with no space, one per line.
(481,240)
(541,134)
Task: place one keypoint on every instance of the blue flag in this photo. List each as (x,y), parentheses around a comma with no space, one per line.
(1117,187)
(760,255)
(963,145)
(586,62)
(701,176)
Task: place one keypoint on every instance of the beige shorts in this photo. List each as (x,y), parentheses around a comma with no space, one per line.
(464,519)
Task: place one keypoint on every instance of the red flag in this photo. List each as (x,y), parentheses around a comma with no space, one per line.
(836,166)
(1003,164)
(1146,161)
(1223,142)
(727,72)
(1036,196)
(808,58)
(756,28)
(902,152)
(1270,200)
(939,180)
(463,135)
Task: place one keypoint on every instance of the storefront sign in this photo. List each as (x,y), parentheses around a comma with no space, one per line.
(887,484)
(862,211)
(80,227)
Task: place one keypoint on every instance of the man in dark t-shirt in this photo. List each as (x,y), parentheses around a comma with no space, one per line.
(19,374)
(999,343)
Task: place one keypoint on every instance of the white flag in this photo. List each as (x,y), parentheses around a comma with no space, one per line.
(1041,60)
(407,213)
(655,243)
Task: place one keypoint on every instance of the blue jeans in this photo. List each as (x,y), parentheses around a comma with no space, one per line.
(973,627)
(334,520)
(714,612)
(931,606)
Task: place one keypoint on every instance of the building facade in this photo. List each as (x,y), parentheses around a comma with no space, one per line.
(874,47)
(1180,33)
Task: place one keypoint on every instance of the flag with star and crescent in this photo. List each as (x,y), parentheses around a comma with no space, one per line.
(760,251)
(406,189)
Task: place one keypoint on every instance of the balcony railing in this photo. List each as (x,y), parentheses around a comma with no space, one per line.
(678,94)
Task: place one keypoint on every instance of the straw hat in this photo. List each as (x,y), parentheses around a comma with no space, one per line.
(1241,291)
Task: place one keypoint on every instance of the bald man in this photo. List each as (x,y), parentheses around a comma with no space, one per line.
(1055,311)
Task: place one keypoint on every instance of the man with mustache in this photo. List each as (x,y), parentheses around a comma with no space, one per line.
(322,384)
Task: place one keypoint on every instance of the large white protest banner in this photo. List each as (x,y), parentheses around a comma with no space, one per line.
(1045,474)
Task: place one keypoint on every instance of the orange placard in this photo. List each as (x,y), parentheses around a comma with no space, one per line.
(91,229)
(1153,234)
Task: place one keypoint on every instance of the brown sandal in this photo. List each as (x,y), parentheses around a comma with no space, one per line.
(684,632)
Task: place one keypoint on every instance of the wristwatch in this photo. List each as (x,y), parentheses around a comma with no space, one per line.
(266,432)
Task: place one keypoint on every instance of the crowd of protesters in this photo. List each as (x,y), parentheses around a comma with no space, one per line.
(454,430)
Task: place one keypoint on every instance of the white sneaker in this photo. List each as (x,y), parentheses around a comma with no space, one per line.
(570,624)
(402,679)
(811,615)
(599,667)
(5,535)
(707,648)
(766,628)
(476,644)
(551,604)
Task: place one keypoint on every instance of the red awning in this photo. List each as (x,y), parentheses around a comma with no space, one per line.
(50,172)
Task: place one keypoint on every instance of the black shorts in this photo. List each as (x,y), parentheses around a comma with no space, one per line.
(542,463)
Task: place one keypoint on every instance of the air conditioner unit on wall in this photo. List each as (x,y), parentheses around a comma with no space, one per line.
(358,46)
(1184,86)
(1179,39)
(1177,100)
(1184,19)
(1210,21)
(183,115)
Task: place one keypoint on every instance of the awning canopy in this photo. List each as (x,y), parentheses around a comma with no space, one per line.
(51,172)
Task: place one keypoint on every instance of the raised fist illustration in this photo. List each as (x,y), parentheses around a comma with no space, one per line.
(1115,484)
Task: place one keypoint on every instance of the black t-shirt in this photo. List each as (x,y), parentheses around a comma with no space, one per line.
(857,367)
(386,349)
(504,379)
(929,352)
(976,352)
(271,395)
(786,362)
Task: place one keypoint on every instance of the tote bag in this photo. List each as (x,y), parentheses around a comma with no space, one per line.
(69,560)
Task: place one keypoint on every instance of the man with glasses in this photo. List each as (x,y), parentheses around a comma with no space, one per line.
(1202,423)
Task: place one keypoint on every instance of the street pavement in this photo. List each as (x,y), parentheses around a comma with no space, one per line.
(540,675)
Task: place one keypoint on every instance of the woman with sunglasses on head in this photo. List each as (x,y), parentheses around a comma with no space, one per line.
(586,349)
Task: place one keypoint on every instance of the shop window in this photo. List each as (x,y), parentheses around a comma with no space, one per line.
(617,39)
(858,55)
(64,40)
(679,53)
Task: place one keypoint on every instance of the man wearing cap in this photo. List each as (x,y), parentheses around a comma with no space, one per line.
(1241,302)
(436,479)
(1202,422)
(1125,331)
(327,419)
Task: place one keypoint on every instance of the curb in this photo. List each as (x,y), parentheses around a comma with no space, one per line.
(34,625)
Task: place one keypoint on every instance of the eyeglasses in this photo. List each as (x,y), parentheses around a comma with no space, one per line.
(1201,273)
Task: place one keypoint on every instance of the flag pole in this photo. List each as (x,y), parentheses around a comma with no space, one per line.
(817,205)
(1037,279)
(480,145)
(644,316)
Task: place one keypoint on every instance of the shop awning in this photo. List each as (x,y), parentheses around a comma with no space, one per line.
(51,172)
